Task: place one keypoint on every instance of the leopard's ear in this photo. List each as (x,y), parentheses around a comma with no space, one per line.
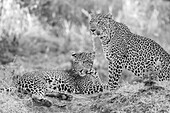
(15,79)
(92,15)
(109,16)
(87,13)
(73,55)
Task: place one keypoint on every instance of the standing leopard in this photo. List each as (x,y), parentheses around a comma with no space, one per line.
(129,52)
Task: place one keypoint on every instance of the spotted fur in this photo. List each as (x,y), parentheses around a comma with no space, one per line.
(39,83)
(125,50)
(88,82)
(85,59)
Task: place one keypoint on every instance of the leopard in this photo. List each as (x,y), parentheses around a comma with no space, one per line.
(126,51)
(38,83)
(83,63)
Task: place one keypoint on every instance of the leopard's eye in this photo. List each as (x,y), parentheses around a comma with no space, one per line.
(73,54)
(101,23)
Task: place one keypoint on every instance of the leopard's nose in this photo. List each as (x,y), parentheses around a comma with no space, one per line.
(92,30)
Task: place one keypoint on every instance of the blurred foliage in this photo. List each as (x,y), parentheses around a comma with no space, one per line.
(71,10)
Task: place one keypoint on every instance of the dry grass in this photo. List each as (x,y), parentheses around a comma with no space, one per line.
(9,104)
(129,98)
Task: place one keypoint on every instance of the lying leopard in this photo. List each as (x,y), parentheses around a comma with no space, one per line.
(38,83)
(129,52)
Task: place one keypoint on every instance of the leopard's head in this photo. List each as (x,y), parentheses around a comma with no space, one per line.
(100,27)
(83,56)
(83,60)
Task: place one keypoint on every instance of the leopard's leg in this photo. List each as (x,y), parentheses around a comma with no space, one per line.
(38,94)
(114,71)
